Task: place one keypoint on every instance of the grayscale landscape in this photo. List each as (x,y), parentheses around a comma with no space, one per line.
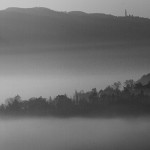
(75,75)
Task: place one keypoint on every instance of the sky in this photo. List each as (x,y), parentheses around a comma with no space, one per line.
(115,7)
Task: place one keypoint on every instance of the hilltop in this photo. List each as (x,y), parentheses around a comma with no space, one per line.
(33,25)
(145,79)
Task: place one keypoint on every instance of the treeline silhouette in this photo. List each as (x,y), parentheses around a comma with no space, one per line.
(116,100)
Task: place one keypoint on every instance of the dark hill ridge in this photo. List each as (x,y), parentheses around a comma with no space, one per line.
(23,25)
(41,11)
(145,79)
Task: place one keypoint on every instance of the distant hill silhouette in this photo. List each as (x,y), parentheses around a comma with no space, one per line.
(80,13)
(44,25)
(145,79)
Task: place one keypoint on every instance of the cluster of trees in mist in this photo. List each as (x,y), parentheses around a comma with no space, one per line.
(131,98)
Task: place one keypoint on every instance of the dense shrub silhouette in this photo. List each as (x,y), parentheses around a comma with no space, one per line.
(130,99)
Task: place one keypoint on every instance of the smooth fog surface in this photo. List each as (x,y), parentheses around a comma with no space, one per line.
(49,70)
(75,134)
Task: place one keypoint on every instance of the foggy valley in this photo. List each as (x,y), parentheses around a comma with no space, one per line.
(74,80)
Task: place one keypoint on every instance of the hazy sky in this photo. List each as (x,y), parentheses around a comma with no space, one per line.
(48,71)
(116,7)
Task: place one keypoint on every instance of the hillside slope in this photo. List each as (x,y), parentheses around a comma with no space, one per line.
(45,25)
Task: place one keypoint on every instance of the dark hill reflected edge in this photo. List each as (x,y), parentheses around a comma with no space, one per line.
(132,100)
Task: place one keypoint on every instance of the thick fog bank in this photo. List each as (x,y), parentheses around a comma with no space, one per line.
(75,134)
